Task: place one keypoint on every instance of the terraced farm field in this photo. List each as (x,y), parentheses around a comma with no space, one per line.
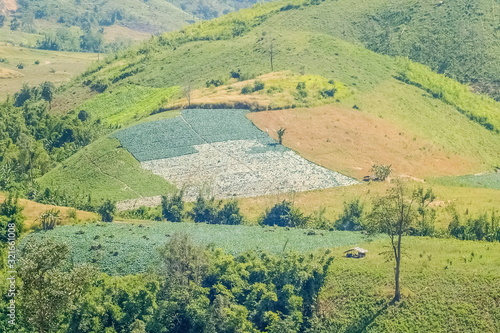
(123,248)
(222,152)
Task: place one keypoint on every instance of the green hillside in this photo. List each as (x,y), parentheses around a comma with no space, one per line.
(107,172)
(420,103)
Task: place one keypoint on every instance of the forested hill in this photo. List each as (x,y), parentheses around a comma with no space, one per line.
(150,16)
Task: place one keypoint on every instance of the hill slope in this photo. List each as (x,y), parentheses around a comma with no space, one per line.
(440,127)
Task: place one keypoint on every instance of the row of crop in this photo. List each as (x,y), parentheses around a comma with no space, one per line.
(176,137)
(127,103)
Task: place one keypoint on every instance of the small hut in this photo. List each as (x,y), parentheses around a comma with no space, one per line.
(356,252)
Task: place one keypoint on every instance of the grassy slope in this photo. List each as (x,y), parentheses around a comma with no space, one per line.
(448,286)
(57,67)
(457,38)
(107,171)
(434,130)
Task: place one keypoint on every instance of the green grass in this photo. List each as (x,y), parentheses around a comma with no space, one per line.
(491,180)
(107,171)
(448,286)
(131,248)
(128,103)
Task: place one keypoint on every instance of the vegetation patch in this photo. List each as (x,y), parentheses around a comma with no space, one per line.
(127,103)
(136,245)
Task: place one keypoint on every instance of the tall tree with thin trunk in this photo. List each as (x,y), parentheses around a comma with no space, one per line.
(394,215)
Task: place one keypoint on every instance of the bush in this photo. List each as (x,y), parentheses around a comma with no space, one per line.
(284,214)
(20,65)
(248,89)
(172,207)
(214,83)
(351,218)
(258,85)
(381,171)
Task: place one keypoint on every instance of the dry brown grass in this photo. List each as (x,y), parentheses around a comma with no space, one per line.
(32,211)
(351,141)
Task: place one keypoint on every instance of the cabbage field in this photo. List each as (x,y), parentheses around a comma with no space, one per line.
(223,153)
(122,248)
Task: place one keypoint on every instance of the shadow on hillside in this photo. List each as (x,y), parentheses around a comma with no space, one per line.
(363,323)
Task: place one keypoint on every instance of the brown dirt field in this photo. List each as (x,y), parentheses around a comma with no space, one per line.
(32,211)
(351,141)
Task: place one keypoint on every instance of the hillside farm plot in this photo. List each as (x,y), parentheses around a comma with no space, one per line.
(122,248)
(223,152)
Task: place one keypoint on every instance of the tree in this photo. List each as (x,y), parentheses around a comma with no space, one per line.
(107,210)
(47,91)
(281,132)
(49,289)
(172,207)
(229,214)
(11,218)
(426,214)
(204,210)
(394,215)
(284,214)
(352,217)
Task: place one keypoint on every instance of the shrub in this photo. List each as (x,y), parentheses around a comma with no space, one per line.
(258,85)
(172,207)
(284,214)
(351,218)
(214,83)
(37,62)
(248,89)
(20,65)
(381,171)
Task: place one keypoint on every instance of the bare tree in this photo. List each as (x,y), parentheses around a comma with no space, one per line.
(394,215)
